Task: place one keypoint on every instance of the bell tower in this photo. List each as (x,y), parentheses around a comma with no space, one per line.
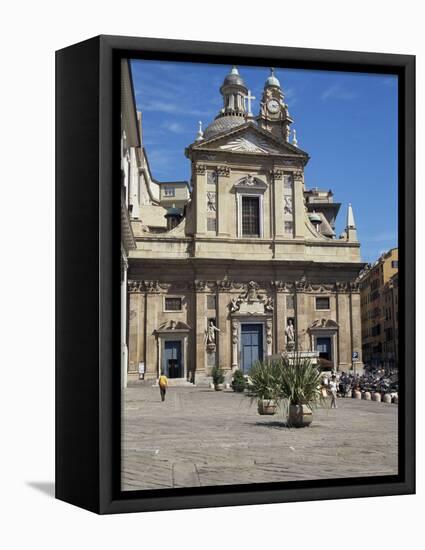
(274,115)
(234,93)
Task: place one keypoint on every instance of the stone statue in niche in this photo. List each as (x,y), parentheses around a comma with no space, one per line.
(210,336)
(290,334)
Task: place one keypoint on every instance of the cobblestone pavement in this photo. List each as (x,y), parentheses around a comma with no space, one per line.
(200,437)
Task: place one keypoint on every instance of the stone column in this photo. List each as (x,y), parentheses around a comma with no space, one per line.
(344,330)
(124,349)
(201,198)
(298,206)
(136,336)
(201,326)
(223,199)
(153,306)
(224,353)
(269,336)
(280,317)
(235,344)
(301,322)
(277,178)
(356,329)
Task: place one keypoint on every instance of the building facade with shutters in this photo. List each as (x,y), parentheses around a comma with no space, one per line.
(250,265)
(379,307)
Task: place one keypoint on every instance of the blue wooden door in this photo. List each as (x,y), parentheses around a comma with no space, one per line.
(172,362)
(323,346)
(251,345)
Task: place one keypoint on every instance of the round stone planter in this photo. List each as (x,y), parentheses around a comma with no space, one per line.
(267,406)
(376,397)
(300,416)
(367,396)
(218,387)
(238,389)
(357,394)
(395,399)
(387,398)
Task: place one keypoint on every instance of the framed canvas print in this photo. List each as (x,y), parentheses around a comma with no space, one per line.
(235,274)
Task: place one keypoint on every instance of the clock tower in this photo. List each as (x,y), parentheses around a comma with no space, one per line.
(274,115)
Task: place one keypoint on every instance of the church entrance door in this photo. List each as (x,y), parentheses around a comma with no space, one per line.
(172,363)
(324,347)
(251,345)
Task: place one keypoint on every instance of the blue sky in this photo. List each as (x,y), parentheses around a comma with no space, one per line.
(346,122)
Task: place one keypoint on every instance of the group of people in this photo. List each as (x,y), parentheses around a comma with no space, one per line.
(372,380)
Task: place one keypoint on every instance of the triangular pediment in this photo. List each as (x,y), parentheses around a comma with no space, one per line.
(249,138)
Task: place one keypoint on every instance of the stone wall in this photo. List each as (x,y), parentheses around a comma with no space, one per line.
(221,293)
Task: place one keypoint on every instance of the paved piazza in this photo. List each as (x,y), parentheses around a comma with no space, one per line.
(199,437)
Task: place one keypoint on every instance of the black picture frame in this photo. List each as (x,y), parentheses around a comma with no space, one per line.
(88,274)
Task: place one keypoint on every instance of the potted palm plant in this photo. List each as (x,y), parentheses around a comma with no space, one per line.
(300,387)
(239,382)
(264,385)
(217,374)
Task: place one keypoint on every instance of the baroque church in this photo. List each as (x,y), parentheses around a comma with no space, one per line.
(245,265)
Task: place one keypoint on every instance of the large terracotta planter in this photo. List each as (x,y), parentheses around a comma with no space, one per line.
(267,406)
(300,416)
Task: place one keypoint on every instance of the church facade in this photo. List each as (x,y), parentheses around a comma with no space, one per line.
(249,266)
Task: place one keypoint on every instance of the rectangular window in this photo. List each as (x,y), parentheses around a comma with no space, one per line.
(322,303)
(169,192)
(173,304)
(250,217)
(394,264)
(211,302)
(290,302)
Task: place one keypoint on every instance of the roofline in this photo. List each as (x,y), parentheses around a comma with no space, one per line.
(197,145)
(139,137)
(174,182)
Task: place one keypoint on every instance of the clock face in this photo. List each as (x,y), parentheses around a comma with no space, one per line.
(273,106)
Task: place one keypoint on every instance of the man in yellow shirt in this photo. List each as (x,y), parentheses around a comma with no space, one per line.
(163,383)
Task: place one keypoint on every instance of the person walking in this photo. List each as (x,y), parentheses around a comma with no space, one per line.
(333,390)
(163,383)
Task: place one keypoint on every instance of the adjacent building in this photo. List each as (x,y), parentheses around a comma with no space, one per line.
(379,305)
(244,262)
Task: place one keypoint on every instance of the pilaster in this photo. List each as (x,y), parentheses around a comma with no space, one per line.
(280,316)
(277,182)
(344,330)
(356,329)
(299,208)
(201,326)
(153,306)
(224,340)
(200,198)
(223,173)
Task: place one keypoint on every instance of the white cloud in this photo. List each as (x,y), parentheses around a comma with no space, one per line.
(174,127)
(336,91)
